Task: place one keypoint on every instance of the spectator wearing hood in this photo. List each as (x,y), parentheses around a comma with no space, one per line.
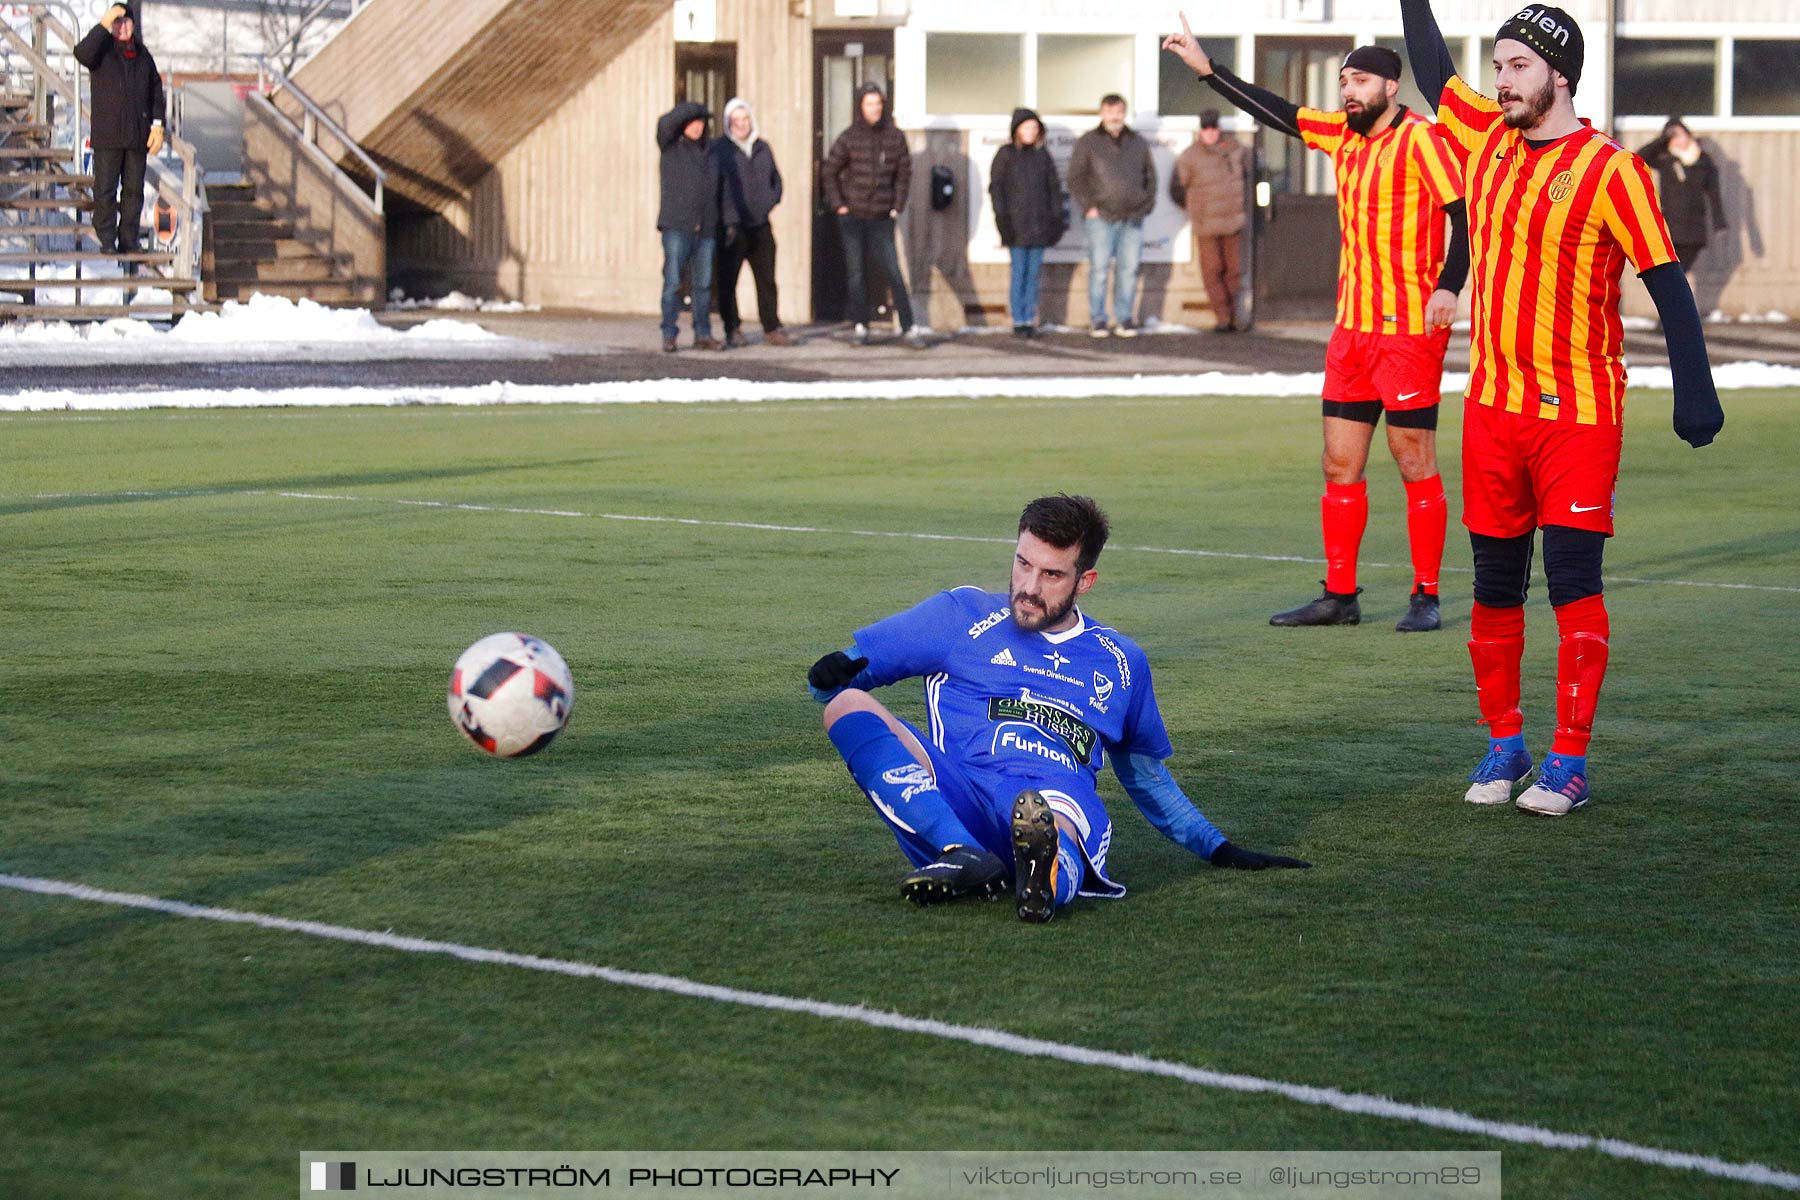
(127,109)
(749,188)
(1687,186)
(1113,182)
(1211,178)
(1028,210)
(688,219)
(867,176)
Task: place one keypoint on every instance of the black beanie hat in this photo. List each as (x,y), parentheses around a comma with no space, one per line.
(1376,60)
(1552,33)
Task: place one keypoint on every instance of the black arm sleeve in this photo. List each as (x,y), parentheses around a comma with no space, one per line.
(1698,414)
(1260,103)
(1431,62)
(1456,254)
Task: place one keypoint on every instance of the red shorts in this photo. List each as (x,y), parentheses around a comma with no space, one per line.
(1523,472)
(1402,370)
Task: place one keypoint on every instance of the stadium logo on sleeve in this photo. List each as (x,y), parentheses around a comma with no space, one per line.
(988,622)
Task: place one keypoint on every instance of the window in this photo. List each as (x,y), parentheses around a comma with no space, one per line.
(1763,79)
(974,72)
(1410,95)
(1659,77)
(1075,70)
(1490,85)
(1181,92)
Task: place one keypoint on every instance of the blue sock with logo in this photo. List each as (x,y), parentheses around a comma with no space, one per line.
(902,791)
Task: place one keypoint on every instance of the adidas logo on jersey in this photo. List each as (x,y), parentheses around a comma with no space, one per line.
(1004,658)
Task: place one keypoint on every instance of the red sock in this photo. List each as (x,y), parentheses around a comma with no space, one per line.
(1496,643)
(1344,513)
(1426,516)
(1580,669)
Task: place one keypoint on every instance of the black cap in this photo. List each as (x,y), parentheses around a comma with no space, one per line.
(1376,60)
(1553,34)
(1209,118)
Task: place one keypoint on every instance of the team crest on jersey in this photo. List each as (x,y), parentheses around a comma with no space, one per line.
(1103,690)
(1561,187)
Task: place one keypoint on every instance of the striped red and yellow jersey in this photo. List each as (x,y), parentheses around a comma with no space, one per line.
(1391,190)
(1550,230)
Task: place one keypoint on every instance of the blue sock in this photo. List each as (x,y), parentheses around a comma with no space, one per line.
(1068,868)
(1508,745)
(903,792)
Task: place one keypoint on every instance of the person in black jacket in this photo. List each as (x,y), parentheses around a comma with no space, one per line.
(749,188)
(128,110)
(1028,210)
(1687,185)
(688,219)
(867,176)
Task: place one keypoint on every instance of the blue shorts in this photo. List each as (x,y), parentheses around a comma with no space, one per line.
(983,801)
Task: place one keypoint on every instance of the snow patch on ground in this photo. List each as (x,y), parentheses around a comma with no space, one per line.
(458,302)
(744,391)
(261,329)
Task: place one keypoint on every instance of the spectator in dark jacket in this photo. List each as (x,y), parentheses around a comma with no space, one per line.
(867,176)
(749,188)
(1028,210)
(127,108)
(1113,183)
(688,219)
(1687,185)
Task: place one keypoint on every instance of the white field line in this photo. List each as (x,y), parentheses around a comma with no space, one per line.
(1356,1103)
(817,529)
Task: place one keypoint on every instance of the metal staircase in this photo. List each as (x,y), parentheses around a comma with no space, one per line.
(51,267)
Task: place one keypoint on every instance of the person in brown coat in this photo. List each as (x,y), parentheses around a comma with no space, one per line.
(867,176)
(1210,178)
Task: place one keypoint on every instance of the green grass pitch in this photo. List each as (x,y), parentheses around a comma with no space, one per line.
(222,694)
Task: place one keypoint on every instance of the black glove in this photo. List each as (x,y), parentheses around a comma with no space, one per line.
(834,671)
(1228,855)
(1698,415)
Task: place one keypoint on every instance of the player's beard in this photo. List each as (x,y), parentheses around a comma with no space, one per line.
(1363,121)
(1050,615)
(1536,105)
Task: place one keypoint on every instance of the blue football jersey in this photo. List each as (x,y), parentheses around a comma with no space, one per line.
(1019,702)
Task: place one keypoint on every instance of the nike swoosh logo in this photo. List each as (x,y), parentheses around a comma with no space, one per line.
(1405,396)
(1579,508)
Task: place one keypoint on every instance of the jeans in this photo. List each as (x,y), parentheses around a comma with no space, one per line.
(683,248)
(754,244)
(861,235)
(119,197)
(1121,243)
(1027,264)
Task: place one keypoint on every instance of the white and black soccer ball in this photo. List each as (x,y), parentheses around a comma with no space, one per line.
(511,694)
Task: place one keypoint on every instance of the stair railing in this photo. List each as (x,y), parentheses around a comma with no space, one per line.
(307,129)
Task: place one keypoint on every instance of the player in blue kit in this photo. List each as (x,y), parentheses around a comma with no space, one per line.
(1027,698)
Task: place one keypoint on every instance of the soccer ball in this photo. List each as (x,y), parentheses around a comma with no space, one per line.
(510,694)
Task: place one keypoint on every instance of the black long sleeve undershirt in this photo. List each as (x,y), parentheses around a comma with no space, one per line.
(1260,103)
(1432,64)
(1456,254)
(1698,414)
